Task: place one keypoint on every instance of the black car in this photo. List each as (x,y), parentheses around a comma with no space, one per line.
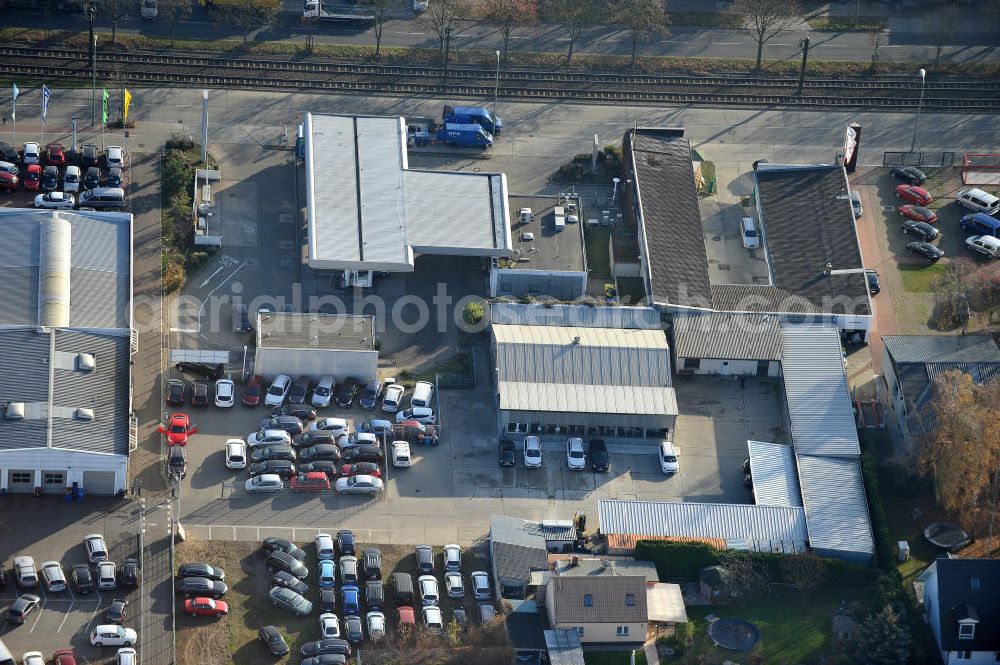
(325,659)
(128,572)
(299,390)
(177,461)
(8,153)
(346,392)
(92,178)
(345,542)
(210,372)
(922,229)
(272,639)
(281,545)
(289,581)
(371,395)
(307,439)
(50,178)
(201,570)
(280,467)
(117,611)
(362,453)
(88,155)
(114,177)
(909,174)
(21,609)
(328,600)
(925,249)
(374,594)
(329,467)
(279,560)
(83,579)
(331,645)
(300,411)
(371,563)
(352,629)
(321,451)
(290,424)
(274,451)
(873,284)
(175,392)
(199,394)
(460,617)
(598,454)
(190,587)
(425,559)
(507,453)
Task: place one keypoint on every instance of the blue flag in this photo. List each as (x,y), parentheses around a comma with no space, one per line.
(45,102)
(13,113)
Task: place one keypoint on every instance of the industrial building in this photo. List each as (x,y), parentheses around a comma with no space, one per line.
(726,343)
(316,344)
(66,340)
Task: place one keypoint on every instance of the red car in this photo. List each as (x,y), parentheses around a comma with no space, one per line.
(362,469)
(63,657)
(311,481)
(32,177)
(914,194)
(206,607)
(8,181)
(406,616)
(253,391)
(178,430)
(918,213)
(55,154)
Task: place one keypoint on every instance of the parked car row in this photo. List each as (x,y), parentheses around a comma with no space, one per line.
(202,585)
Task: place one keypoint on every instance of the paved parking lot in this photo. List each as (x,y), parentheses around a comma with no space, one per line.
(49,529)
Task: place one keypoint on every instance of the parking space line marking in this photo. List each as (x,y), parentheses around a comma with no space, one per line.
(65,616)
(38,615)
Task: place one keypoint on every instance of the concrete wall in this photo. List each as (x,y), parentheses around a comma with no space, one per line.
(556,284)
(361,365)
(728,367)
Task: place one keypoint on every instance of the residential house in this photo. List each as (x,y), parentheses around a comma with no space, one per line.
(962,605)
(605,609)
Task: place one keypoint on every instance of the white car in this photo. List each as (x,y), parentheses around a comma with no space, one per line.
(576,459)
(401,454)
(265,437)
(236,454)
(532,452)
(71,181)
(97,549)
(376,625)
(988,245)
(33,658)
(481,585)
(31,153)
(361,484)
(668,458)
(278,391)
(52,574)
(393,398)
(336,425)
(357,439)
(225,393)
(323,392)
(55,201)
(329,626)
(324,546)
(748,231)
(421,414)
(427,589)
(126,656)
(432,620)
(266,482)
(115,157)
(112,636)
(106,576)
(452,558)
(453,585)
(148,9)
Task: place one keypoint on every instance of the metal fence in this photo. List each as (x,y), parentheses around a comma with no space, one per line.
(924,159)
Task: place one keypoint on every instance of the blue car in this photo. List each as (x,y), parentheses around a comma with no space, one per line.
(352,600)
(327,574)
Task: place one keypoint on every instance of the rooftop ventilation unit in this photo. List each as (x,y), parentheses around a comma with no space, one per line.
(86,362)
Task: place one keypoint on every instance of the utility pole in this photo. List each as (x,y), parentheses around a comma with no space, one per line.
(91,11)
(447,50)
(204,126)
(805,56)
(920,105)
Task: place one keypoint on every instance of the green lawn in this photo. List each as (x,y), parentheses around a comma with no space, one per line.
(920,277)
(613,657)
(598,253)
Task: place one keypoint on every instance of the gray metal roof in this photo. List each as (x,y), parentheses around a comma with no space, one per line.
(548,249)
(720,335)
(280,330)
(775,481)
(586,356)
(816,391)
(580,567)
(514,529)
(516,551)
(761,528)
(564,647)
(834,499)
(37,362)
(941,348)
(641,318)
(585,398)
(609,599)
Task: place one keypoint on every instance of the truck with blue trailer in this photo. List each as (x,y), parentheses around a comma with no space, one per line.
(467,115)
(464,136)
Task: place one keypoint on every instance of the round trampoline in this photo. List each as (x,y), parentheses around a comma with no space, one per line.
(734,634)
(947,536)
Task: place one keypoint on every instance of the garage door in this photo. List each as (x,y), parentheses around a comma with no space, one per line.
(53,482)
(20,481)
(99,482)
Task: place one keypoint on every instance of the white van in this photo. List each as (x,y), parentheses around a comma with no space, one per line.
(748,231)
(978,200)
(988,245)
(422,394)
(71,181)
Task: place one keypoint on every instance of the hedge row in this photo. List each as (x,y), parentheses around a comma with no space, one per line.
(884,548)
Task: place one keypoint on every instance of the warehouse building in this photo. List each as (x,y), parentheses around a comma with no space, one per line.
(66,342)
(563,381)
(316,344)
(726,344)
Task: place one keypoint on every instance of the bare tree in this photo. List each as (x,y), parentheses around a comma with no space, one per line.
(941,26)
(747,573)
(507,15)
(766,19)
(380,7)
(174,12)
(116,10)
(641,18)
(951,294)
(574,16)
(247,15)
(874,40)
(441,17)
(805,572)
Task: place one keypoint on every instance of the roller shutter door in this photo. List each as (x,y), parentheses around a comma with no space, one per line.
(99,482)
(20,481)
(53,482)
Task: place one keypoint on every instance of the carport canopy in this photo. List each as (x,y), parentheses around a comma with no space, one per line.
(665,603)
(209,357)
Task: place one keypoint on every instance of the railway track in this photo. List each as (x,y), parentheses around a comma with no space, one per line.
(212,70)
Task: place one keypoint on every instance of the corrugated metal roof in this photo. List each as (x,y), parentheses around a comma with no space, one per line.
(564,647)
(759,298)
(549,354)
(775,481)
(836,509)
(941,348)
(727,336)
(608,595)
(643,318)
(583,398)
(25,378)
(764,528)
(816,391)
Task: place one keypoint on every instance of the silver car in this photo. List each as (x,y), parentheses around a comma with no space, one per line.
(289,600)
(52,574)
(97,549)
(453,585)
(359,485)
(106,576)
(481,585)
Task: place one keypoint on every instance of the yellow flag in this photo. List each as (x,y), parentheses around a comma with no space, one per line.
(128,100)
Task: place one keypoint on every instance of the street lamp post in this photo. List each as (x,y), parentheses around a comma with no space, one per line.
(920,104)
(496,93)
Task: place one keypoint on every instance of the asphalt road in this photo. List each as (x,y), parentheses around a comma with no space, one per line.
(902,44)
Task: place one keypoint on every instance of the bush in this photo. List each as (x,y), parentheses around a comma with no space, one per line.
(197,260)
(174,276)
(880,527)
(180,143)
(674,560)
(473,313)
(569,173)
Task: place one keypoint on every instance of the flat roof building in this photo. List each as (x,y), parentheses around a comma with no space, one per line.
(313,345)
